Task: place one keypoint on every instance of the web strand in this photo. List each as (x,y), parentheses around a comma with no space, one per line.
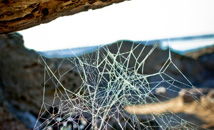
(114,88)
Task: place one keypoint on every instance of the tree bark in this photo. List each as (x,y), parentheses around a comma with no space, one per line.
(17,15)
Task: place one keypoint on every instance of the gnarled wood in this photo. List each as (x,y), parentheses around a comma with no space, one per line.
(17,15)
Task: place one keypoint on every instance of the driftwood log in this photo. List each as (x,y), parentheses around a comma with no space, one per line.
(17,15)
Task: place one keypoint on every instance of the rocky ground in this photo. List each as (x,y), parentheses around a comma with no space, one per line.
(22,80)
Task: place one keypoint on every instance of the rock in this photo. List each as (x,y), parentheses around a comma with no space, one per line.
(207,60)
(27,118)
(161,90)
(8,121)
(205,57)
(200,52)
(22,76)
(17,15)
(190,67)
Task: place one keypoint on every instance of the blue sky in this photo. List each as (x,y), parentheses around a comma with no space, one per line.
(137,20)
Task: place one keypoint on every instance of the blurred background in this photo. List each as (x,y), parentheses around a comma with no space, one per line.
(186,27)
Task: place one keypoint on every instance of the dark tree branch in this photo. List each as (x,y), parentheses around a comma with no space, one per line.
(17,15)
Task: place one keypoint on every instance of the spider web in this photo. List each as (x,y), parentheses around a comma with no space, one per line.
(112,79)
